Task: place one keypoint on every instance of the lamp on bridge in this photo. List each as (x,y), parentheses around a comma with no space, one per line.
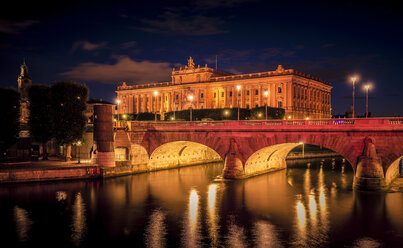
(366,87)
(155,100)
(354,80)
(303,152)
(238,87)
(266,94)
(191,102)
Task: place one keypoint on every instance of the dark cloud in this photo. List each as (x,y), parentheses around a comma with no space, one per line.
(15,27)
(88,46)
(125,69)
(175,23)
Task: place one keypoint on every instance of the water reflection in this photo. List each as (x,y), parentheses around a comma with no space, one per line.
(78,227)
(265,235)
(236,235)
(297,207)
(22,222)
(213,226)
(156,231)
(191,235)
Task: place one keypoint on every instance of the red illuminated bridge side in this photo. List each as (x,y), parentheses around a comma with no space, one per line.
(372,146)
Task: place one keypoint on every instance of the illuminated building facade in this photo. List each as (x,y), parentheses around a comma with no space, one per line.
(300,95)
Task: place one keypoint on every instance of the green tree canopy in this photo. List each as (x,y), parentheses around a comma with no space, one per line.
(10,114)
(68,100)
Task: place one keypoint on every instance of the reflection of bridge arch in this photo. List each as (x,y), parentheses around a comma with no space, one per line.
(181,153)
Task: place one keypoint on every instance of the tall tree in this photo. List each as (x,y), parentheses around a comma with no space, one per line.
(39,122)
(68,100)
(10,114)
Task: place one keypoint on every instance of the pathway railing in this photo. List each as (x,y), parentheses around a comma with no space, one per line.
(354,123)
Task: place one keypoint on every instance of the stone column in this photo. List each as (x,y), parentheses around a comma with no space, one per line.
(103,135)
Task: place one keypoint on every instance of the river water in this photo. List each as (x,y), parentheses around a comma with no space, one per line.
(311,204)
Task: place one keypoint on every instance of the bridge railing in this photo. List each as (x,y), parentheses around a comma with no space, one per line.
(361,122)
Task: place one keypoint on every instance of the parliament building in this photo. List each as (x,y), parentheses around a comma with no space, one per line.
(302,96)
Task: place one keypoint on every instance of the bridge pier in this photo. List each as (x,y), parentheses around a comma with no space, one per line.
(369,173)
(233,165)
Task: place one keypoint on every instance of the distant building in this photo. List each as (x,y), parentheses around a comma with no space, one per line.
(300,95)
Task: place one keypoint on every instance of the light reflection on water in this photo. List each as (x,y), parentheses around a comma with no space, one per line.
(297,207)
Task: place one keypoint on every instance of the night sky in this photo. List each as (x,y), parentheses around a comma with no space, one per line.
(103,43)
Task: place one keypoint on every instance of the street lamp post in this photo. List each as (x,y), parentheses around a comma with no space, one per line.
(118,102)
(155,104)
(266,94)
(79,150)
(191,100)
(303,152)
(366,104)
(238,87)
(354,79)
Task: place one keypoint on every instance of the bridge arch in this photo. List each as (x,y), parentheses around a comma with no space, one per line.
(393,170)
(270,158)
(181,153)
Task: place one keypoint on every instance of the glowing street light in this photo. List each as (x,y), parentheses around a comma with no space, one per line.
(266,94)
(260,115)
(155,100)
(303,152)
(238,87)
(367,87)
(354,80)
(226,114)
(191,102)
(79,150)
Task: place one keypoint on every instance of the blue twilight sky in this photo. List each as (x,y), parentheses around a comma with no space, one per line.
(102,43)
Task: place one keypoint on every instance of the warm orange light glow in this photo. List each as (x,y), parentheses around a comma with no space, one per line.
(354,79)
(289,117)
(368,86)
(238,87)
(118,101)
(124,116)
(190,98)
(266,93)
(155,93)
(301,215)
(307,118)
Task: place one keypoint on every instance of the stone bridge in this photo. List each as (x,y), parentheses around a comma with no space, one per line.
(373,146)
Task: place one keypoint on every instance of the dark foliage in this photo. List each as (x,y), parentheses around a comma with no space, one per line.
(40,113)
(68,100)
(227,114)
(10,114)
